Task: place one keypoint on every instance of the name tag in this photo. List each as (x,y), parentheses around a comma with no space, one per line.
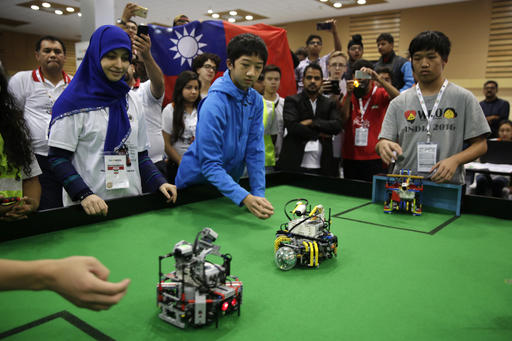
(361,138)
(115,170)
(427,156)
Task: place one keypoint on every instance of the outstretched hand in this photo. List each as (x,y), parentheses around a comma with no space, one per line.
(259,206)
(84,282)
(168,188)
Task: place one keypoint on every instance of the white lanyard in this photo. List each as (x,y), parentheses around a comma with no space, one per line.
(434,108)
(362,109)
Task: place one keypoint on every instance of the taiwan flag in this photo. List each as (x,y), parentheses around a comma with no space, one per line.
(174,49)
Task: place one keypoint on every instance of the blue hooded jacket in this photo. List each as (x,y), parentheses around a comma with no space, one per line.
(229,136)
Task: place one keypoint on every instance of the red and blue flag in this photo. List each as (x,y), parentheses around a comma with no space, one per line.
(174,48)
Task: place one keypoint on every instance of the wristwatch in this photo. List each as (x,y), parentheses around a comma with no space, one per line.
(120,22)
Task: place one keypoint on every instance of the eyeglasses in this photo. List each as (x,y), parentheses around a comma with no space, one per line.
(209,67)
(338,65)
(315,42)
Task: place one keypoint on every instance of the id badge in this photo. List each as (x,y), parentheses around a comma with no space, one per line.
(361,138)
(312,146)
(427,156)
(115,170)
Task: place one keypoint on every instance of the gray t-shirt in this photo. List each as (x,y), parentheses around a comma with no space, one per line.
(459,118)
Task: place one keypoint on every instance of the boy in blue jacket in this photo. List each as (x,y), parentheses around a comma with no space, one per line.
(229,132)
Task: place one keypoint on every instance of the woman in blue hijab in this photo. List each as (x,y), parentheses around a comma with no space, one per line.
(97,138)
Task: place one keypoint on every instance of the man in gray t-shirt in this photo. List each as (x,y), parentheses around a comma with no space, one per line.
(457,119)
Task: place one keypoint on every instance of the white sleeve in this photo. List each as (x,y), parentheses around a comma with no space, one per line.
(65,132)
(17,88)
(167,116)
(145,90)
(34,169)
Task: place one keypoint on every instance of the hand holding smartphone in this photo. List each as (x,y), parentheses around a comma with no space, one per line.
(142,29)
(141,12)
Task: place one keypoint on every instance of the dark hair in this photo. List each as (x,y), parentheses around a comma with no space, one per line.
(313,66)
(491,82)
(387,37)
(270,68)
(509,122)
(360,64)
(384,69)
(356,40)
(200,59)
(431,40)
(178,124)
(50,38)
(247,44)
(133,22)
(302,51)
(14,131)
(313,36)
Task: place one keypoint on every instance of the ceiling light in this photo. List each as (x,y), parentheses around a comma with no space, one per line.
(58,12)
(215,16)
(233,12)
(337,4)
(231,19)
(361,2)
(79,14)
(46,5)
(324,0)
(70,9)
(35,7)
(210,11)
(249,17)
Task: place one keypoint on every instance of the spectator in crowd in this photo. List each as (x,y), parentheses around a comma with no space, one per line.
(272,114)
(258,85)
(81,280)
(181,19)
(335,88)
(98,142)
(355,50)
(496,183)
(301,53)
(20,190)
(314,47)
(495,109)
(126,22)
(180,120)
(150,95)
(362,111)
(205,65)
(311,121)
(385,73)
(401,69)
(35,92)
(429,124)
(229,134)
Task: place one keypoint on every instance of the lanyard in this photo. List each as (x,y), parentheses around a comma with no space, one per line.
(434,108)
(362,109)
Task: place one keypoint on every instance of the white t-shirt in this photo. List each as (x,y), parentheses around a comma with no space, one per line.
(36,95)
(311,157)
(9,184)
(189,133)
(152,111)
(85,133)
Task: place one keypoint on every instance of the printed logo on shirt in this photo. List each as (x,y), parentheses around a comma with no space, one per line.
(410,116)
(449,113)
(375,106)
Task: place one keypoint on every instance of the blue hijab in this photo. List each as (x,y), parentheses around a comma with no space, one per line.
(91,90)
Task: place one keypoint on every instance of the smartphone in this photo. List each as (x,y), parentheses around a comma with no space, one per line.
(323,26)
(335,87)
(141,12)
(362,75)
(142,29)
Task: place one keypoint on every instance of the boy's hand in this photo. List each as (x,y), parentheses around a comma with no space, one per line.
(388,150)
(444,170)
(259,206)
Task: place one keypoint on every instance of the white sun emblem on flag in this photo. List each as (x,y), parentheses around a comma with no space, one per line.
(187,46)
